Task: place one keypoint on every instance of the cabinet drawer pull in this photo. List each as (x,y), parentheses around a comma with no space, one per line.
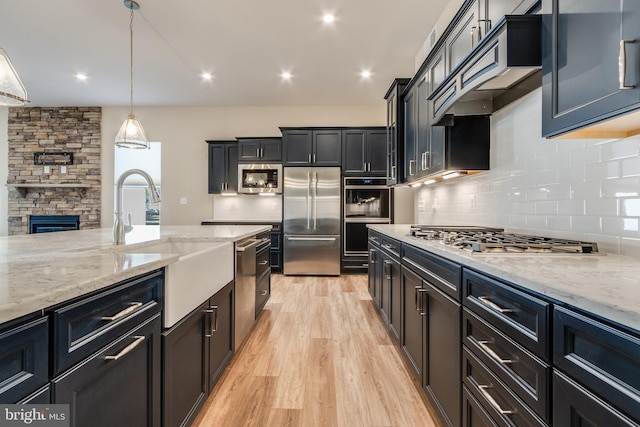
(393,172)
(417,288)
(133,307)
(421,292)
(493,354)
(209,333)
(622,64)
(411,162)
(262,263)
(484,390)
(214,327)
(263,293)
(127,349)
(486,301)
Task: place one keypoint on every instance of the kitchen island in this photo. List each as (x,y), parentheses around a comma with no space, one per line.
(42,270)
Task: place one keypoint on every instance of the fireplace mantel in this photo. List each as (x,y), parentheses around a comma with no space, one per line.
(24,187)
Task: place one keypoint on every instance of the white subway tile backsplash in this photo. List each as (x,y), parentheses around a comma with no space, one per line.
(578,189)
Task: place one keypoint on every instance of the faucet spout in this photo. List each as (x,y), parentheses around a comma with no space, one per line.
(119,228)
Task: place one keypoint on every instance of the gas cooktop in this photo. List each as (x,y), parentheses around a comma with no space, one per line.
(488,240)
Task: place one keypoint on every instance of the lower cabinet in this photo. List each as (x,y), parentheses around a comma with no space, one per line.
(195,352)
(413,322)
(575,406)
(392,277)
(119,385)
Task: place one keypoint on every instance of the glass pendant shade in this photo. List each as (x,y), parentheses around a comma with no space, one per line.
(12,91)
(131,134)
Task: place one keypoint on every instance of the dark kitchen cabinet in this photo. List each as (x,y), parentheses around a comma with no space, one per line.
(185,367)
(413,322)
(221,342)
(575,406)
(374,273)
(223,166)
(364,152)
(318,147)
(465,34)
(432,325)
(580,88)
(259,150)
(604,359)
(120,385)
(276,248)
(24,360)
(195,352)
(395,132)
(40,397)
(416,142)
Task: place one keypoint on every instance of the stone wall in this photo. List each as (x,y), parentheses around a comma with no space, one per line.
(54,129)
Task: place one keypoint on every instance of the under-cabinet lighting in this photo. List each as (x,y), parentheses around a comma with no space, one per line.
(228,193)
(266,194)
(430,181)
(417,184)
(453,175)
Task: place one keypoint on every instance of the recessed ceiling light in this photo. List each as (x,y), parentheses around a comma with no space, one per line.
(365,74)
(286,75)
(329,18)
(81,76)
(206,76)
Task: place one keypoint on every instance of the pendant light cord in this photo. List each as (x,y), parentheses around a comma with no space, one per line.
(131,62)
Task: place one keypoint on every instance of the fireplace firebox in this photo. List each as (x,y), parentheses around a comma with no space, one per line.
(51,223)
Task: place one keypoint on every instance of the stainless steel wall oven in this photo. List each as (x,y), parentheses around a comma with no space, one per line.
(365,201)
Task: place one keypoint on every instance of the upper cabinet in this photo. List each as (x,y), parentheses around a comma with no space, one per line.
(395,131)
(311,147)
(261,150)
(591,68)
(223,166)
(364,152)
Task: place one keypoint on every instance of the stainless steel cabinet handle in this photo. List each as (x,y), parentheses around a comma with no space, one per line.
(209,333)
(315,199)
(133,307)
(314,158)
(422,293)
(417,298)
(310,158)
(312,239)
(486,301)
(372,253)
(127,349)
(622,64)
(483,389)
(261,152)
(411,163)
(263,293)
(393,172)
(262,263)
(214,327)
(387,270)
(258,152)
(493,354)
(309,197)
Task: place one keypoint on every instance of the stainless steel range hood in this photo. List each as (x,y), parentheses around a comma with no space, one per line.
(504,66)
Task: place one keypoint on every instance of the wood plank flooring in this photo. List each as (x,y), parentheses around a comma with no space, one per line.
(318,355)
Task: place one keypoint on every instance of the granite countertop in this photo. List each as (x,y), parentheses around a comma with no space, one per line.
(605,285)
(38,271)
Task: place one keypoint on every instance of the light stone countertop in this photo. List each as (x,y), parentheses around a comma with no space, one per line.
(605,285)
(38,271)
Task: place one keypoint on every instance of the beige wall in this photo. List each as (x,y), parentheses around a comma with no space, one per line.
(183,131)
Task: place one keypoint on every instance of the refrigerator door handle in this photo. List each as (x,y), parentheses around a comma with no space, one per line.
(315,202)
(313,239)
(308,200)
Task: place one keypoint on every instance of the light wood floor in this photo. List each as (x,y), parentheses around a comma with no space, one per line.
(318,355)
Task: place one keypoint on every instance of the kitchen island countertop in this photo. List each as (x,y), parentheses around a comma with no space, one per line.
(605,285)
(38,271)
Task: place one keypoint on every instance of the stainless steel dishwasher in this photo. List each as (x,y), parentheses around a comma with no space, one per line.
(245,288)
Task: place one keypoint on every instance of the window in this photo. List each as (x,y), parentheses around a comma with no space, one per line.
(135,192)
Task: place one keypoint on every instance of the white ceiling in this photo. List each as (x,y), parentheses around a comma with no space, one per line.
(245,44)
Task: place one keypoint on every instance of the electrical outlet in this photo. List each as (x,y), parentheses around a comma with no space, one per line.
(421,205)
(472,202)
(63,169)
(47,169)
(183,200)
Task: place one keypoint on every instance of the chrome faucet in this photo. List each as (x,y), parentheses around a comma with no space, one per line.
(119,228)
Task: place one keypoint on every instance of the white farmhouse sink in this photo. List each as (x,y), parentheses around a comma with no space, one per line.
(202,269)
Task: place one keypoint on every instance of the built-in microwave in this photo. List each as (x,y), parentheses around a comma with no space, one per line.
(259,178)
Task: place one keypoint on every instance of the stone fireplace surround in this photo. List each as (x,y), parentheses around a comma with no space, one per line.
(76,192)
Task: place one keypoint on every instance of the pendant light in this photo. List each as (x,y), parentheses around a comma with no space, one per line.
(131,133)
(12,91)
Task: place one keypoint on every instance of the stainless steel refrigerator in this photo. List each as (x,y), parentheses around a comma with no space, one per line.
(311,210)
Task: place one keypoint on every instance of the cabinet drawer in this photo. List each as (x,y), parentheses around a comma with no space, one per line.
(84,327)
(391,245)
(575,406)
(375,238)
(263,291)
(24,360)
(443,274)
(505,408)
(263,262)
(520,316)
(523,373)
(473,414)
(604,359)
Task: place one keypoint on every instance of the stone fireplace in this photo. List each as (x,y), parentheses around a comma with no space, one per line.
(54,189)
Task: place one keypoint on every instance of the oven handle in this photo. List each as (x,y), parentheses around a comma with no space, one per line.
(368,220)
